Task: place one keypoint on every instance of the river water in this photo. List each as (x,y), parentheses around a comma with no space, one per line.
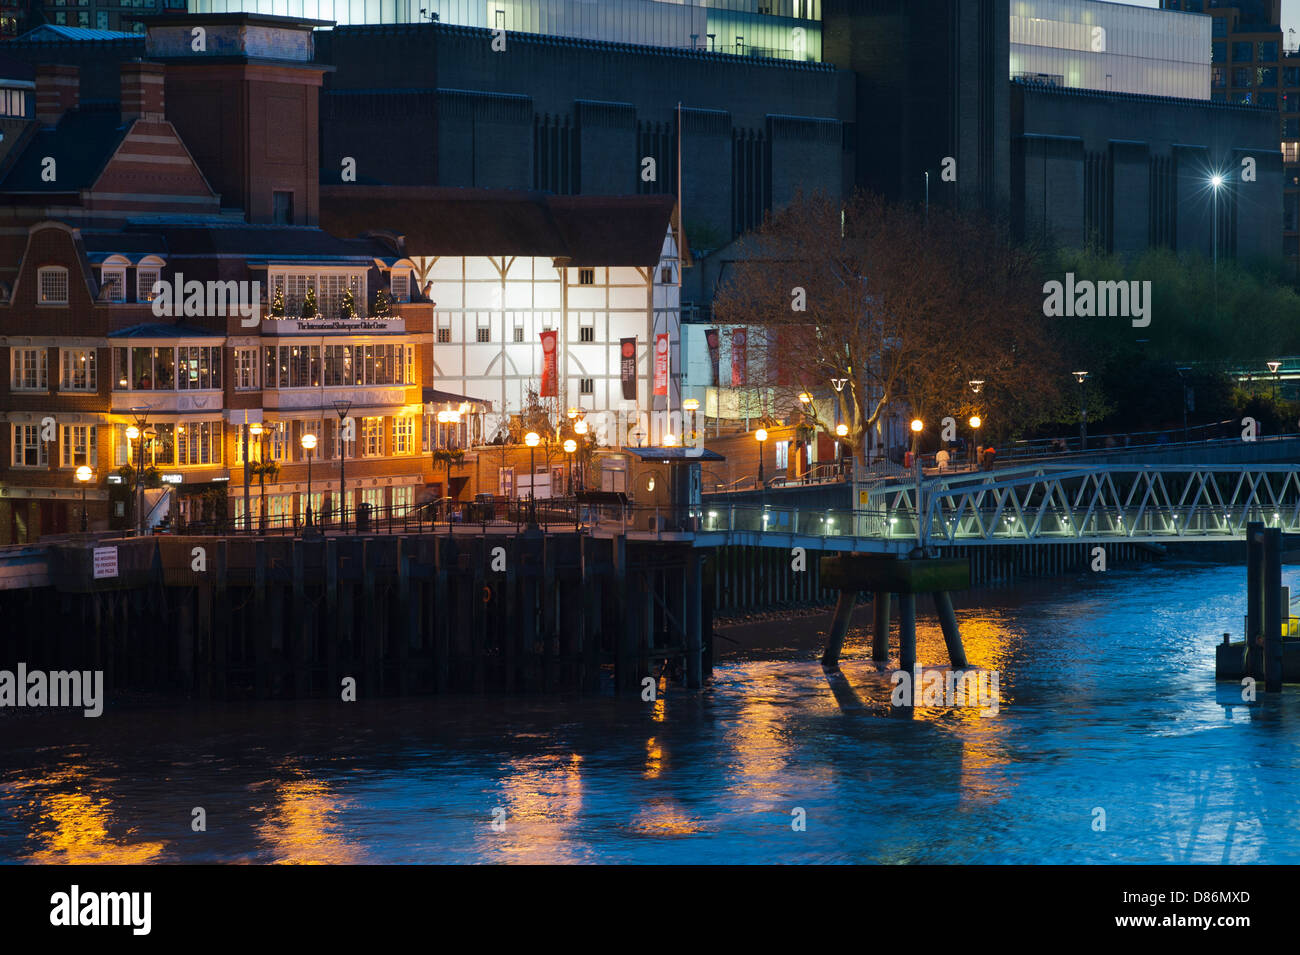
(1108,706)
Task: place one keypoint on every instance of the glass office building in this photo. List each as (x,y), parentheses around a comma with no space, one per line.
(785,29)
(1087,44)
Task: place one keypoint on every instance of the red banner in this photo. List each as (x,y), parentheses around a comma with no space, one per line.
(548,365)
(739,356)
(661,364)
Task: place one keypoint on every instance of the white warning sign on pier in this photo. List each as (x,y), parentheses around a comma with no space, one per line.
(105,562)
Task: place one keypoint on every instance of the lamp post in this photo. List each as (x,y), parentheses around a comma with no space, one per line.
(1081,377)
(308,442)
(1273,367)
(256,430)
(84,474)
(1216,183)
(917,427)
(136,432)
(841,432)
(532,438)
(341,408)
(761,436)
(975,423)
(580,429)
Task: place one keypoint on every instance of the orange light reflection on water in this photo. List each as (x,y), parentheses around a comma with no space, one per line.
(73,826)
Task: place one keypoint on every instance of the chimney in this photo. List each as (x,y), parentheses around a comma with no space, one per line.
(58,89)
(142,91)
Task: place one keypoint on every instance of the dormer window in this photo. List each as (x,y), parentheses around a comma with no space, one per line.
(145,280)
(52,285)
(400,285)
(112,284)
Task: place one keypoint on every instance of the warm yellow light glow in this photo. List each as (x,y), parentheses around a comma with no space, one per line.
(570,446)
(841,429)
(918,425)
(805,398)
(573,413)
(132,432)
(84,473)
(532,439)
(761,435)
(691,404)
(580,427)
(309,442)
(975,421)
(255,429)
(670,440)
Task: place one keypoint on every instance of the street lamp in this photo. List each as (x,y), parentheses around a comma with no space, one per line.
(1081,377)
(975,423)
(1216,183)
(976,385)
(917,427)
(84,474)
(257,431)
(1273,366)
(341,408)
(532,438)
(309,445)
(761,436)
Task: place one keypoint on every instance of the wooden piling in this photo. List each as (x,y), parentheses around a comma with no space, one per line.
(951,632)
(881,601)
(907,631)
(839,628)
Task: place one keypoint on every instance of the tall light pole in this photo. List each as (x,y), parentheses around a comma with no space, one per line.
(136,432)
(248,514)
(917,427)
(761,437)
(1273,366)
(309,445)
(84,474)
(341,408)
(580,429)
(1081,377)
(841,432)
(532,438)
(838,384)
(975,423)
(1216,183)
(256,430)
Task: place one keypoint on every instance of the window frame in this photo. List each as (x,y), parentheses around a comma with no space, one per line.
(51,271)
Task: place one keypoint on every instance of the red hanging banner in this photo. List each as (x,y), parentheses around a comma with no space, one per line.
(548,365)
(739,354)
(661,364)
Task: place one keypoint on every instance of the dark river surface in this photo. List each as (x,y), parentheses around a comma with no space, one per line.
(1108,704)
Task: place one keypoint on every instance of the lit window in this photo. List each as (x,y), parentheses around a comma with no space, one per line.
(145,280)
(78,445)
(78,366)
(444,336)
(29,450)
(53,283)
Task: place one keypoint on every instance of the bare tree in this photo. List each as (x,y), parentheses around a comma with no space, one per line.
(908,307)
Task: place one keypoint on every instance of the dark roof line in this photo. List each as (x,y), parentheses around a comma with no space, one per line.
(1135,97)
(608,46)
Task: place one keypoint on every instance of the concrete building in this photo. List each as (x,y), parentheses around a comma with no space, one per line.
(1088,44)
(782,29)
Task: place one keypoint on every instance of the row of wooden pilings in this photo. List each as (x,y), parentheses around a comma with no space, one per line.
(261,618)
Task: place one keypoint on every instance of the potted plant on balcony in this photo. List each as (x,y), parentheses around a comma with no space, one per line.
(277,302)
(383,304)
(309,309)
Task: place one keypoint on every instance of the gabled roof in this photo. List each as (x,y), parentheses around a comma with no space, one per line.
(81,146)
(588,230)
